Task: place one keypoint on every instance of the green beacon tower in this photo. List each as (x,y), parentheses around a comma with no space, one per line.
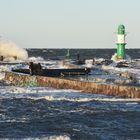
(68,54)
(121,42)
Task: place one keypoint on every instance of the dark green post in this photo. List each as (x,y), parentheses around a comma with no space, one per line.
(68,54)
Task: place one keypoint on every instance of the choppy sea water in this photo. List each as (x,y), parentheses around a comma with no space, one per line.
(54,114)
(66,114)
(84,53)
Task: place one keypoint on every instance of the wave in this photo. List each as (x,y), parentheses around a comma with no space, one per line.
(115,59)
(9,50)
(53,137)
(35,59)
(116,69)
(37,93)
(118,99)
(52,98)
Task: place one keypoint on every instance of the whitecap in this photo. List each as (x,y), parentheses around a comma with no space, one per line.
(53,137)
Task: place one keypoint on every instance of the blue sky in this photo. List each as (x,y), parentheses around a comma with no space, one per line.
(69,23)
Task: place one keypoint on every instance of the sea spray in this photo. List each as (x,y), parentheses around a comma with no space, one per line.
(115,59)
(9,50)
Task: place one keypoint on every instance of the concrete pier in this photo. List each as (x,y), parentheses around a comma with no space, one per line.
(61,83)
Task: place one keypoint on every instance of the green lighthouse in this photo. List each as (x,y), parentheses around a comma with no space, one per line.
(121,42)
(68,54)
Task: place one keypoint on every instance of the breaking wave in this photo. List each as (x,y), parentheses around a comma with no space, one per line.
(9,50)
(114,58)
(50,94)
(63,137)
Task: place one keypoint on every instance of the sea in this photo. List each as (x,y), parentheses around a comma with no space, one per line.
(44,113)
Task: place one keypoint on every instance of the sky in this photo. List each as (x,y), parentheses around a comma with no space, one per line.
(69,23)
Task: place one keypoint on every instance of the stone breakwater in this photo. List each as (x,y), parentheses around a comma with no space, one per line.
(62,83)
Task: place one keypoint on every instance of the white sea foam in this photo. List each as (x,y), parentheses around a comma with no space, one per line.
(117,99)
(132,103)
(49,94)
(99,59)
(35,59)
(9,50)
(114,58)
(89,63)
(130,62)
(116,69)
(2,75)
(54,137)
(4,68)
(51,98)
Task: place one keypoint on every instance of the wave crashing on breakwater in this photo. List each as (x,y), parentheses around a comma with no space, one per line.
(9,50)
